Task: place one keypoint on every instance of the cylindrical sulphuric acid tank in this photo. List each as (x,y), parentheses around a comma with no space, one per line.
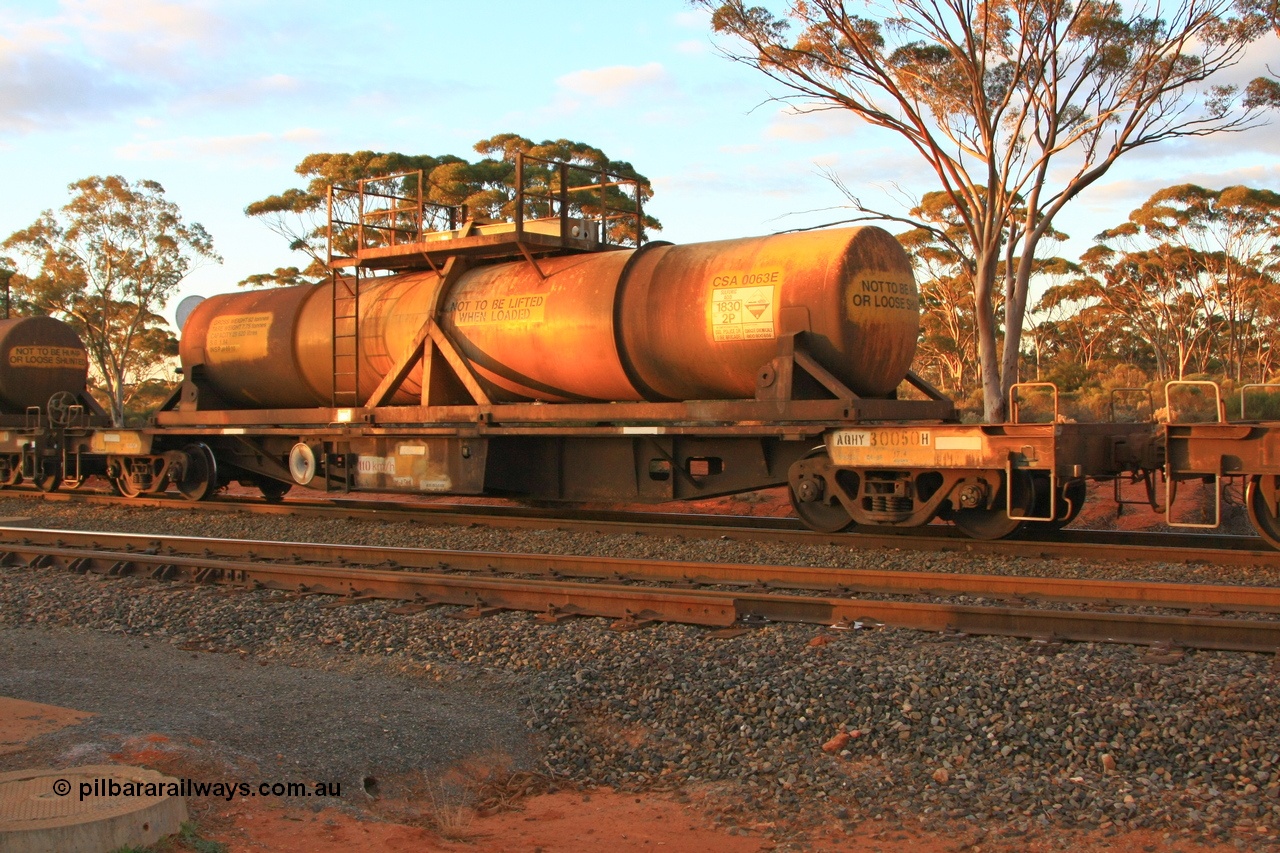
(662,322)
(39,356)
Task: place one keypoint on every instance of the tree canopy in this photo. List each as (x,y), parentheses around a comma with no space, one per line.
(1191,278)
(1188,286)
(486,187)
(1017,106)
(107,262)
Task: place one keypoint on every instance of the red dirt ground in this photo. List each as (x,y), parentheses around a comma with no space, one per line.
(578,821)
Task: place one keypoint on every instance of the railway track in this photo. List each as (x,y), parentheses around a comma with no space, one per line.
(1211,548)
(636,592)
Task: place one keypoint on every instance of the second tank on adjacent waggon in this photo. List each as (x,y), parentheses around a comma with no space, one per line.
(40,357)
(44,370)
(658,323)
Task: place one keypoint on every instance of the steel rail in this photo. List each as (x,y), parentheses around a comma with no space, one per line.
(1218,549)
(840,581)
(557,598)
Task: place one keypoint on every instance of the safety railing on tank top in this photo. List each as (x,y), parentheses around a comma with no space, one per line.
(592,205)
(579,195)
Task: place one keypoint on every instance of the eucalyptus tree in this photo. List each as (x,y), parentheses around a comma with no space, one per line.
(1137,295)
(1223,247)
(1017,106)
(107,262)
(948,347)
(1195,273)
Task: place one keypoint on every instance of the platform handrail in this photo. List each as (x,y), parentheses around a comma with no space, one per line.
(1015,401)
(1219,406)
(557,200)
(1115,392)
(393,210)
(1270,386)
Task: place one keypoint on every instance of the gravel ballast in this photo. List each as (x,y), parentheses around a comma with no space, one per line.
(988,730)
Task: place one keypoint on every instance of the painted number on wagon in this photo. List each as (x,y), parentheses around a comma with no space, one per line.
(883,438)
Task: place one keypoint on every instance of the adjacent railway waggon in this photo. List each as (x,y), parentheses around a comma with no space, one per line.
(550,359)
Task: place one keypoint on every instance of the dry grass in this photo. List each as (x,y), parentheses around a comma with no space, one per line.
(452,820)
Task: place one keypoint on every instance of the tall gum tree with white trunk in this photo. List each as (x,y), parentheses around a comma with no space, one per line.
(1016,105)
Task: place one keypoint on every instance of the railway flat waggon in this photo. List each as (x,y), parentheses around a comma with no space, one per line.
(562,357)
(539,359)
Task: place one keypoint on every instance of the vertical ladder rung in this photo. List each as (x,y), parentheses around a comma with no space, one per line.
(345,339)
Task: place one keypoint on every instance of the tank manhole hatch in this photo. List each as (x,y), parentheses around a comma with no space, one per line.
(87,809)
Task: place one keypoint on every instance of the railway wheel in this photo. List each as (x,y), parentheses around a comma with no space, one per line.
(124,486)
(995,523)
(1071,497)
(48,475)
(273,491)
(200,474)
(814,502)
(1264,521)
(10,475)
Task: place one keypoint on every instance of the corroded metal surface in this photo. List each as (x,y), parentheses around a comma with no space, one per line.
(245,343)
(698,321)
(693,322)
(551,338)
(39,356)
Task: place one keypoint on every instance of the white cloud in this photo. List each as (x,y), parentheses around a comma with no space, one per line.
(1262,139)
(148,35)
(40,89)
(1119,196)
(281,83)
(257,147)
(812,125)
(1259,59)
(1108,204)
(694,181)
(93,58)
(694,19)
(236,94)
(779,178)
(617,84)
(693,47)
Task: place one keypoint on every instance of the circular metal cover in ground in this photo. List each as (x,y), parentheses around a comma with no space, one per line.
(87,809)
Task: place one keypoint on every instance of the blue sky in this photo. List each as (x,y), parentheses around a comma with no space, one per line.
(218,100)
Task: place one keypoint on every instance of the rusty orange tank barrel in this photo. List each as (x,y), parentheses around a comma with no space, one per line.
(39,356)
(659,323)
(700,320)
(254,347)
